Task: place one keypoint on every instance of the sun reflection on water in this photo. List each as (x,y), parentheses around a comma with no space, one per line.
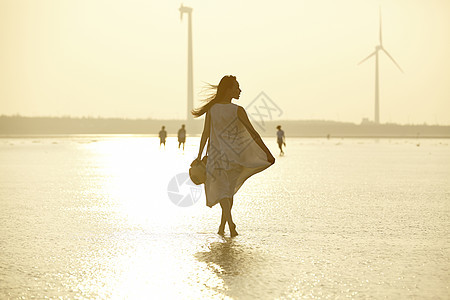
(150,258)
(136,173)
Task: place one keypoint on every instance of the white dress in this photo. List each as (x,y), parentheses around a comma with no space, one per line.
(233,155)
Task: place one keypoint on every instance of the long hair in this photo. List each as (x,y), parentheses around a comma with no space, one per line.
(217,94)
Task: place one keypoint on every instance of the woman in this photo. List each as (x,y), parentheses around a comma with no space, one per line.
(235,150)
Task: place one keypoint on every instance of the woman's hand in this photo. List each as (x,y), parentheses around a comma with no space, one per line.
(270,158)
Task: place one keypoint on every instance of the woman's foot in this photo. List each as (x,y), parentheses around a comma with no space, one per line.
(221,230)
(233,231)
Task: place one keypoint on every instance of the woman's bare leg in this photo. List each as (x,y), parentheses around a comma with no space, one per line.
(223,221)
(231,225)
(226,213)
(226,205)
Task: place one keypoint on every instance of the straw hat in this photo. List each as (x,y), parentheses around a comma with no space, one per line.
(197,171)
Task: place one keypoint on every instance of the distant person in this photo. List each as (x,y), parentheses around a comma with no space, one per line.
(181,136)
(162,136)
(281,139)
(230,160)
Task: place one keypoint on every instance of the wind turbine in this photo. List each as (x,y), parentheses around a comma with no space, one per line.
(379,48)
(190,83)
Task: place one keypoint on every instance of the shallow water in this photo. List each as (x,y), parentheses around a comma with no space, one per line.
(90,216)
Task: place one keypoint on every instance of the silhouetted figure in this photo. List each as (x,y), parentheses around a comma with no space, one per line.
(162,137)
(281,139)
(235,149)
(181,136)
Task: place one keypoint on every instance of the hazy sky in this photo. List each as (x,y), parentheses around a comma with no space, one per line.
(128,58)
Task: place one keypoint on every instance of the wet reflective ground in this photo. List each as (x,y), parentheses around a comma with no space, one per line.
(90,217)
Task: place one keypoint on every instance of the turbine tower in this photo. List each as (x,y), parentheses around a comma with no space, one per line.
(190,81)
(378,48)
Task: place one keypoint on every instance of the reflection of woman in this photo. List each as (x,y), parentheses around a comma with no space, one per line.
(235,150)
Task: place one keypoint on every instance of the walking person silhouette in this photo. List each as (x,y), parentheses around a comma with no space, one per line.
(162,136)
(235,149)
(281,139)
(181,136)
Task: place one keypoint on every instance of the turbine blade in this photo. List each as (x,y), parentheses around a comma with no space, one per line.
(387,53)
(381,35)
(372,54)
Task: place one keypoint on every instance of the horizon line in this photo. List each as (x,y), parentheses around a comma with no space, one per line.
(363,120)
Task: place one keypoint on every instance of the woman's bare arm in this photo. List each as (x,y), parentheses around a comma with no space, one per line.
(242,115)
(205,135)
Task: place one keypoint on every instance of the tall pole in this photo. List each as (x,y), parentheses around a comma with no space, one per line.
(190,70)
(190,105)
(377,91)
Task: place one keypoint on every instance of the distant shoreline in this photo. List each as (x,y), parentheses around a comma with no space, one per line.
(11,126)
(62,135)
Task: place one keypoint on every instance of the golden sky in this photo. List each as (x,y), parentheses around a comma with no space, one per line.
(128,59)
